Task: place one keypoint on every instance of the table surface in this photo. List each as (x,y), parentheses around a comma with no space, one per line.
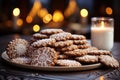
(9,72)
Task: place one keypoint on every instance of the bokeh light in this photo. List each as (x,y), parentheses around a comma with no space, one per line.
(58,16)
(36,28)
(84,13)
(47,18)
(16,12)
(109,11)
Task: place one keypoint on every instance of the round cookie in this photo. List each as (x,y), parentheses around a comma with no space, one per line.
(63,43)
(84,46)
(68,63)
(43,43)
(76,53)
(21,60)
(78,37)
(17,48)
(61,36)
(109,61)
(51,31)
(39,36)
(62,56)
(99,52)
(87,59)
(69,48)
(79,42)
(44,56)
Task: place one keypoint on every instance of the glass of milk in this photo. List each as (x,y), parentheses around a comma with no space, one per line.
(102,33)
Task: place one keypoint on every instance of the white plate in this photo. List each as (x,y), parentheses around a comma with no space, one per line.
(54,68)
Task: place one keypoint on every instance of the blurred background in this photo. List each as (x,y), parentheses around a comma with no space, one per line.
(26,17)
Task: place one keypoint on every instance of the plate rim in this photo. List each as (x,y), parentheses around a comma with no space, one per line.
(53,68)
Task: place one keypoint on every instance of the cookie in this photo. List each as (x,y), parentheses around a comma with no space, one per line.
(43,43)
(76,53)
(17,48)
(39,36)
(84,46)
(99,52)
(44,56)
(78,37)
(109,61)
(79,42)
(69,48)
(61,36)
(21,60)
(62,56)
(87,59)
(68,63)
(51,31)
(63,43)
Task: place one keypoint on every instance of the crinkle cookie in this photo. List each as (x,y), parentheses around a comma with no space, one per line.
(78,37)
(43,43)
(63,43)
(21,60)
(61,36)
(69,48)
(84,46)
(76,53)
(39,36)
(109,61)
(99,52)
(17,48)
(44,56)
(87,59)
(51,31)
(68,63)
(79,42)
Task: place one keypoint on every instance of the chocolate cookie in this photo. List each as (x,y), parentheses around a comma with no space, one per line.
(17,48)
(68,63)
(51,31)
(43,43)
(44,56)
(109,61)
(61,36)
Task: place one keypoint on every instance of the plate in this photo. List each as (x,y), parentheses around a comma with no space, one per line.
(54,68)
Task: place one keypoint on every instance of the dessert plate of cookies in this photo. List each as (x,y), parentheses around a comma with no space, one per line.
(57,50)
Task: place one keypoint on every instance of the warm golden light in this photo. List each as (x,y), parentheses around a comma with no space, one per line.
(47,18)
(29,19)
(36,28)
(101,78)
(33,12)
(102,24)
(19,22)
(84,13)
(108,10)
(71,8)
(42,12)
(16,12)
(58,16)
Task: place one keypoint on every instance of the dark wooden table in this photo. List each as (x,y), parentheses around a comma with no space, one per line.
(9,72)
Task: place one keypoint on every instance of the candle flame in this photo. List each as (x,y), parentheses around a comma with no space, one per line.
(102,24)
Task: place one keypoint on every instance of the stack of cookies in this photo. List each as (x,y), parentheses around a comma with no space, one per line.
(55,47)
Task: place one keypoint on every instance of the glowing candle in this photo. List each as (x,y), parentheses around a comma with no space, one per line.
(102,33)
